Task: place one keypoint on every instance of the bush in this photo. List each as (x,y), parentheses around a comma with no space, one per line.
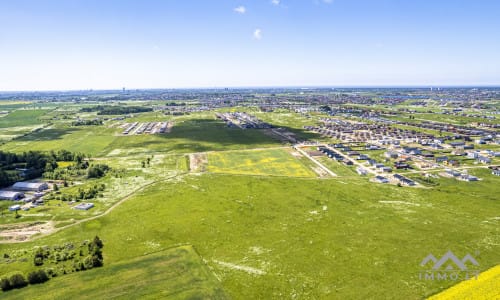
(88,263)
(5,284)
(36,277)
(18,281)
(38,261)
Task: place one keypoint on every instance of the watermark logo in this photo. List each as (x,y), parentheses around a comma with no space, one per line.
(449,267)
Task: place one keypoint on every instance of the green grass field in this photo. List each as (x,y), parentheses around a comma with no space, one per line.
(284,234)
(176,273)
(193,135)
(22,118)
(275,162)
(336,240)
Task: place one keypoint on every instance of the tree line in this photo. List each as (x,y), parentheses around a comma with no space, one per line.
(35,164)
(116,110)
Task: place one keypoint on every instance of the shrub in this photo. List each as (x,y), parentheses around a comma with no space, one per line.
(36,277)
(18,281)
(88,263)
(5,284)
(38,261)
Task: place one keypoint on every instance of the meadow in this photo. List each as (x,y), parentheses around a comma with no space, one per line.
(22,118)
(272,162)
(267,238)
(260,222)
(188,135)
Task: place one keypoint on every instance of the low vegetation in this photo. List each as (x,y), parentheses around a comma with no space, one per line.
(45,262)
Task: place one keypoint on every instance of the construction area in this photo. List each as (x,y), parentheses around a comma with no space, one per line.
(137,128)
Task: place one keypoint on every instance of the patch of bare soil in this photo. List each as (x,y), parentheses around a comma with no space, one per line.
(198,162)
(12,233)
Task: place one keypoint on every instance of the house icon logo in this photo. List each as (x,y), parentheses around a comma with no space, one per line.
(449,266)
(450,261)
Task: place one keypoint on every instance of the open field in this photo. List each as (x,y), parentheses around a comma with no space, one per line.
(22,118)
(274,162)
(176,273)
(265,222)
(194,135)
(335,240)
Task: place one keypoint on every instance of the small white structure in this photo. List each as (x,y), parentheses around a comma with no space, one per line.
(30,186)
(15,207)
(11,195)
(84,206)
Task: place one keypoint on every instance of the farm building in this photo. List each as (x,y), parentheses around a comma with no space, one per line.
(15,207)
(84,206)
(11,195)
(30,186)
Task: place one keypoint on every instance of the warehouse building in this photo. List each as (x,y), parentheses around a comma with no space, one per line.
(30,186)
(11,195)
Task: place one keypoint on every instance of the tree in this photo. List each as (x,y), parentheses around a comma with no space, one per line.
(95,246)
(55,187)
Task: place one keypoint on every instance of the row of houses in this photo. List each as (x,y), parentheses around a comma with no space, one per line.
(334,155)
(461,176)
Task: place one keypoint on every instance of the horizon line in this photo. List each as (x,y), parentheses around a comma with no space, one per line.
(259,87)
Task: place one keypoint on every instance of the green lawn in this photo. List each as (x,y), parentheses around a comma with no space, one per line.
(176,273)
(277,162)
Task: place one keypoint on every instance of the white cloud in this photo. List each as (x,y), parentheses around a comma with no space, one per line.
(240,9)
(257,34)
(275,2)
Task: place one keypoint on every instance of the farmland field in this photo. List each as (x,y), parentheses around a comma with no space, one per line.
(277,162)
(22,118)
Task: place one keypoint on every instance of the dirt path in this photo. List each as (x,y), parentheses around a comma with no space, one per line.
(316,162)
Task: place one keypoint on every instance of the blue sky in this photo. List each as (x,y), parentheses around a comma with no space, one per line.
(100,44)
